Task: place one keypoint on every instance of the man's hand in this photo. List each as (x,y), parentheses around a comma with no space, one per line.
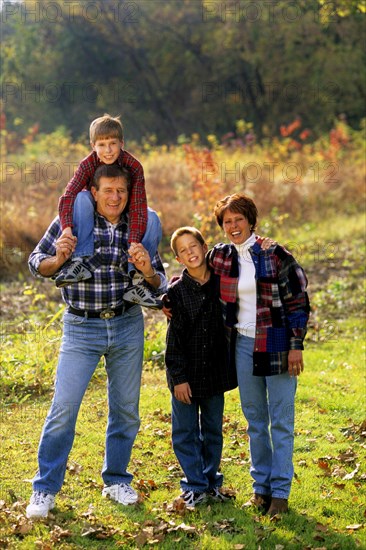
(65,246)
(140,257)
(183,393)
(295,362)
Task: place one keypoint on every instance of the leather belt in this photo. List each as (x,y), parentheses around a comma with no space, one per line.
(107,313)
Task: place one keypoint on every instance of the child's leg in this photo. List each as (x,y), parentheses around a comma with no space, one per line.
(78,269)
(83,220)
(212,410)
(153,233)
(187,445)
(152,237)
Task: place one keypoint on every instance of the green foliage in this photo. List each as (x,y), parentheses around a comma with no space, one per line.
(176,68)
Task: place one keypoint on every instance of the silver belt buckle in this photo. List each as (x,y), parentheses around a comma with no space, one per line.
(107,314)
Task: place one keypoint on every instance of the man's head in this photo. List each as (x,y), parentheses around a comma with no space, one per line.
(106,138)
(110,190)
(189,247)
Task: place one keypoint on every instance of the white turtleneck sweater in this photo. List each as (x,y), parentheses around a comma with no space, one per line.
(247,293)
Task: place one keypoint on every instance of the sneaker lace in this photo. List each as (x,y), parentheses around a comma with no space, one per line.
(126,488)
(39,498)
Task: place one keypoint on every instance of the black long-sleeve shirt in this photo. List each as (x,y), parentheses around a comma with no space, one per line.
(197,349)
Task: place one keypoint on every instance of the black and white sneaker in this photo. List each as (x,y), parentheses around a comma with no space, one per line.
(221,496)
(142,296)
(73,273)
(191,498)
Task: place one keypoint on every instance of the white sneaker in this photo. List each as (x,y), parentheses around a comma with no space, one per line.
(40,504)
(191,498)
(122,493)
(138,278)
(143,297)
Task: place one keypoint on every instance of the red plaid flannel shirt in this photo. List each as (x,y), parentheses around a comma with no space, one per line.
(82,180)
(282,302)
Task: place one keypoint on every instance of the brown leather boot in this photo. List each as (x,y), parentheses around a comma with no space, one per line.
(262,502)
(278,506)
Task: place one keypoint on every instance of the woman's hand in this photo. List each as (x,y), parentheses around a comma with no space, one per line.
(267,243)
(183,393)
(295,362)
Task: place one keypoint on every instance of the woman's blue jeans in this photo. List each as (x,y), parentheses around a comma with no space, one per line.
(121,341)
(197,441)
(83,220)
(268,404)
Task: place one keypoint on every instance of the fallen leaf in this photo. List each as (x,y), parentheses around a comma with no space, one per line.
(353,473)
(74,468)
(57,533)
(321,527)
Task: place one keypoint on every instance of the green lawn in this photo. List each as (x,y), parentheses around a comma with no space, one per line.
(327,503)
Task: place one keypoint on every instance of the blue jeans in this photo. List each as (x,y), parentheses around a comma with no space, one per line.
(83,220)
(121,341)
(197,441)
(268,404)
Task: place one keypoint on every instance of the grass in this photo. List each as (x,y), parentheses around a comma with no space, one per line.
(327,503)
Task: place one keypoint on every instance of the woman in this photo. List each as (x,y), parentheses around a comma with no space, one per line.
(266,305)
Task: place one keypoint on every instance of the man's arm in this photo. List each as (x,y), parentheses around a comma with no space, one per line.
(51,252)
(65,246)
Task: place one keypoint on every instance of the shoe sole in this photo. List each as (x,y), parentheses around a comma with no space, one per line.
(108,496)
(66,283)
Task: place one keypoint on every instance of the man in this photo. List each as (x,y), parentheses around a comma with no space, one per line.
(97,323)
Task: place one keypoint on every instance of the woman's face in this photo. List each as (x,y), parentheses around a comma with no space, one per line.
(236,227)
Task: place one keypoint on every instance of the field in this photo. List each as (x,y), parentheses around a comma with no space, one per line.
(323,223)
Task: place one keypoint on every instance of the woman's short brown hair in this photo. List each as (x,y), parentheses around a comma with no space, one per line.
(239,203)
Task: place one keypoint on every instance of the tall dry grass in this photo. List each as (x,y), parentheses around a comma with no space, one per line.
(289,184)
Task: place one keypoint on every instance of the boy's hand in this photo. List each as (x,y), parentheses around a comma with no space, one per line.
(67,231)
(183,393)
(167,308)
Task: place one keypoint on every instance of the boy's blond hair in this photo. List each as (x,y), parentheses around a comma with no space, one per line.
(186,230)
(106,126)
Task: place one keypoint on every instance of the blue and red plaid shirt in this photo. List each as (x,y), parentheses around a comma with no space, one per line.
(110,278)
(283,307)
(83,178)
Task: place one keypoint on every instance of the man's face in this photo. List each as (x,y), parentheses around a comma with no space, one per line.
(111,197)
(107,149)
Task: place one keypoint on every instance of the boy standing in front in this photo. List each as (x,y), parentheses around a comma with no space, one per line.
(199,370)
(76,211)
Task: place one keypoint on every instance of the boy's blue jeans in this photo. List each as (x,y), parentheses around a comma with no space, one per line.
(268,404)
(83,220)
(197,441)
